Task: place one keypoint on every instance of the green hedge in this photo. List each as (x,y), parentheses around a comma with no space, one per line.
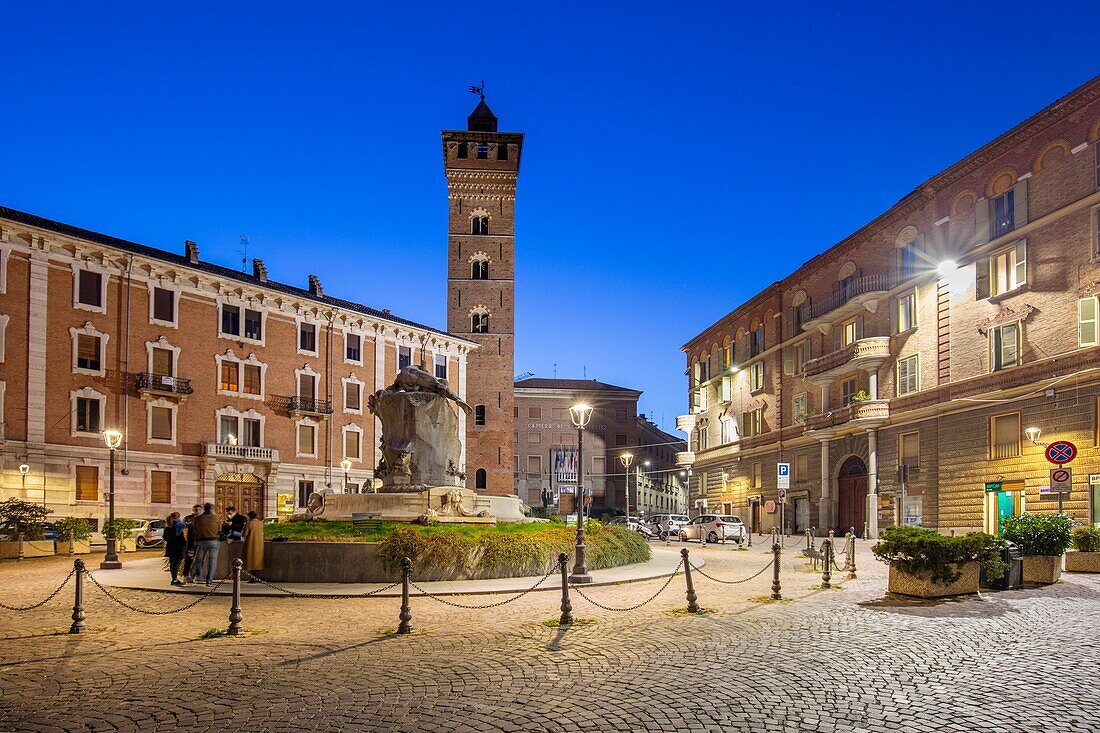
(917,551)
(1039,534)
(1086,539)
(522,551)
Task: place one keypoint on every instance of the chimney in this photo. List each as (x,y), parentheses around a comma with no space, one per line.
(315,288)
(191,250)
(259,270)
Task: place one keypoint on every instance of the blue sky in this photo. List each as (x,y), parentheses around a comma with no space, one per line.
(679,157)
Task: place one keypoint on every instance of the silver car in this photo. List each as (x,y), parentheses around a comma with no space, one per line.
(715,528)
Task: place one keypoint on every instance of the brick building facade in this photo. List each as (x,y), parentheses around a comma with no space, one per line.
(546,444)
(228,387)
(482,167)
(919,349)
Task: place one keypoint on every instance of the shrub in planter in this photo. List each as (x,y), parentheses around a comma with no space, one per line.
(1042,539)
(926,563)
(22,520)
(73,535)
(1086,559)
(122,530)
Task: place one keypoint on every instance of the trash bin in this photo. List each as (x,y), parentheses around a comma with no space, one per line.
(1014,576)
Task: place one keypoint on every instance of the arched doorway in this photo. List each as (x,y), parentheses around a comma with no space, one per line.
(852,495)
(245,491)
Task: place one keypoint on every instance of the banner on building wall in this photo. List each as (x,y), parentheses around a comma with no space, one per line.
(284,504)
(565,465)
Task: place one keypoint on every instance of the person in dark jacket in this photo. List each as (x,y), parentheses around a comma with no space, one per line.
(175,544)
(189,558)
(233,527)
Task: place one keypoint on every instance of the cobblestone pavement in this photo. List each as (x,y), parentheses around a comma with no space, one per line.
(835,660)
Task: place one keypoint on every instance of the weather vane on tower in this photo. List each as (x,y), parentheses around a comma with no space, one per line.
(478,90)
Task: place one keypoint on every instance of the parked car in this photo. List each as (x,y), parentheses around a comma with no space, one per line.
(633,523)
(149,533)
(715,527)
(667,524)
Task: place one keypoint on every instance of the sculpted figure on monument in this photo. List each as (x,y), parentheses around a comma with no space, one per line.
(420,444)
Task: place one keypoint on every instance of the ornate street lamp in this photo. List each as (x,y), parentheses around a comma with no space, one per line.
(1033,434)
(346,465)
(626,458)
(113,439)
(580,414)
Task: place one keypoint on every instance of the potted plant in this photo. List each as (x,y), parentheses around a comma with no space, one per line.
(1042,539)
(75,534)
(861,396)
(21,523)
(927,564)
(1086,559)
(123,528)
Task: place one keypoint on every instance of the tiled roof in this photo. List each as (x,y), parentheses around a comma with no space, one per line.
(574,384)
(68,230)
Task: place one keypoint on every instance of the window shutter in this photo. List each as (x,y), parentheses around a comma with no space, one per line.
(162,423)
(894,307)
(1086,321)
(87,349)
(1019,205)
(788,360)
(1010,342)
(981,221)
(859,327)
(162,362)
(161,485)
(789,323)
(87,483)
(1021,261)
(838,337)
(981,279)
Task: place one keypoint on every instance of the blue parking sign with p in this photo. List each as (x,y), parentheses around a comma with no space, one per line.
(784,469)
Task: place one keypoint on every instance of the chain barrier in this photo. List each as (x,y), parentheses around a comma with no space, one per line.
(446,602)
(147,612)
(45,600)
(296,594)
(597,604)
(757,574)
(792,540)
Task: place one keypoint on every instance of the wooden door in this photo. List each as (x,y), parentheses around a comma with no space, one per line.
(244,496)
(852,497)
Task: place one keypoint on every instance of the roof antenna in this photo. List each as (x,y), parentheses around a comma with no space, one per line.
(479,90)
(555,370)
(244,252)
(584,371)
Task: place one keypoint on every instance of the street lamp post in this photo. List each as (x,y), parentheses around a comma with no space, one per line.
(346,465)
(113,439)
(580,414)
(626,458)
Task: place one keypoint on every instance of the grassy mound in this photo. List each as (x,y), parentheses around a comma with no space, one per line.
(484,550)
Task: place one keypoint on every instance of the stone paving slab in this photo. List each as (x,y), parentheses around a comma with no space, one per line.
(849,660)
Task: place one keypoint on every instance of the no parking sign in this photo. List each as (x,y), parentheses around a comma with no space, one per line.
(1061,451)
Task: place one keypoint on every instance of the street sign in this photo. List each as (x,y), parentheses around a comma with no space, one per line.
(992,485)
(1061,480)
(566,489)
(782,495)
(784,476)
(1061,451)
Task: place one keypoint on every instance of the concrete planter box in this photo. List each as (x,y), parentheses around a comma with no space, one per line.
(1083,562)
(1044,569)
(31,548)
(76,547)
(922,586)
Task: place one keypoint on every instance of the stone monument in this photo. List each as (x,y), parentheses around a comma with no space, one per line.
(421,465)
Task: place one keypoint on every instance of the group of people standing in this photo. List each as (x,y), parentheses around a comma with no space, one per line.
(195,541)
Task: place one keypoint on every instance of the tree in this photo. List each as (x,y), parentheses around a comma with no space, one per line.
(22,520)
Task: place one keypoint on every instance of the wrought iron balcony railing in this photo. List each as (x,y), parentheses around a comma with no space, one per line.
(859,286)
(162,384)
(303,405)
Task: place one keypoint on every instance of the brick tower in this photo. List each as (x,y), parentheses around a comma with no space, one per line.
(482,166)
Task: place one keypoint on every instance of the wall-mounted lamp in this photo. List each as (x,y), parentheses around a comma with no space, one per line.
(946,267)
(1033,434)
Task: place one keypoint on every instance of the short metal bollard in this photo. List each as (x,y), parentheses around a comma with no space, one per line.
(78,626)
(235,609)
(566,618)
(750,538)
(405,627)
(777,551)
(813,535)
(849,537)
(852,559)
(693,606)
(807,539)
(866,529)
(827,561)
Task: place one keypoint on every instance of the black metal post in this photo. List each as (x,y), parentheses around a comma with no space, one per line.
(777,550)
(566,618)
(693,606)
(235,609)
(405,627)
(807,539)
(78,626)
(111,561)
(580,566)
(827,556)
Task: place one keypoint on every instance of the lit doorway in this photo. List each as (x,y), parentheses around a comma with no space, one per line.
(1000,505)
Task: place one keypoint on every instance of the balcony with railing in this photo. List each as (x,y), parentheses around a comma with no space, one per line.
(845,301)
(228,451)
(866,353)
(303,405)
(162,385)
(866,414)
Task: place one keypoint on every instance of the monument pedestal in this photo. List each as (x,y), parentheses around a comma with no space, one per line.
(447,504)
